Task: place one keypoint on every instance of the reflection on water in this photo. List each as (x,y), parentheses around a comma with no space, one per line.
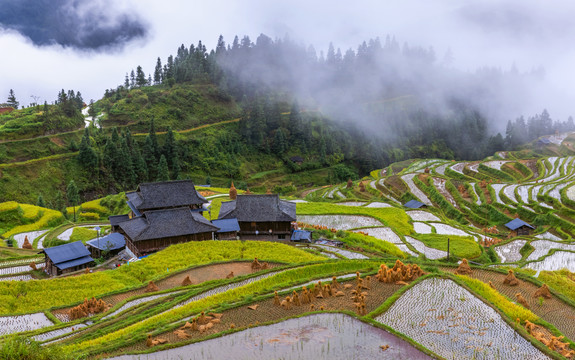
(319,336)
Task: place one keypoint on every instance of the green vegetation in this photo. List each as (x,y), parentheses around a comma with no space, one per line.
(394,217)
(278,281)
(83,234)
(460,246)
(30,296)
(512,310)
(21,348)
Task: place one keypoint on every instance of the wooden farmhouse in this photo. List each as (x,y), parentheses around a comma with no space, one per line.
(165,195)
(67,258)
(157,229)
(519,227)
(261,217)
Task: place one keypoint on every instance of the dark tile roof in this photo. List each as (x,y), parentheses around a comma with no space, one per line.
(113,241)
(258,208)
(227,225)
(64,255)
(299,235)
(116,219)
(167,194)
(413,204)
(158,224)
(75,262)
(517,223)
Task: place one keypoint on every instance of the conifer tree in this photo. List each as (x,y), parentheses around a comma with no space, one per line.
(163,172)
(73,196)
(12,100)
(158,72)
(140,77)
(40,202)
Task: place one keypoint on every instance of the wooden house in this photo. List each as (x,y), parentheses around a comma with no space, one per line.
(67,258)
(110,244)
(157,229)
(261,217)
(165,195)
(519,227)
(229,229)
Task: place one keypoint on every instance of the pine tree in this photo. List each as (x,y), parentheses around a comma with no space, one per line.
(73,196)
(140,168)
(40,202)
(87,156)
(150,159)
(154,139)
(12,100)
(176,167)
(170,147)
(163,172)
(140,77)
(158,72)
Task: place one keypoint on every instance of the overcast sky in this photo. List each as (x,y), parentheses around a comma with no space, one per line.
(89,45)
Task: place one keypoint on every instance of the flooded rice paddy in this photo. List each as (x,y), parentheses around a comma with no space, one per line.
(318,336)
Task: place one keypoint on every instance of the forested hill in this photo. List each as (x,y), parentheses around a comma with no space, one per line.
(401,99)
(270,115)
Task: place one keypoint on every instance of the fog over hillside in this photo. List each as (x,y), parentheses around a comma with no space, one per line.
(90,45)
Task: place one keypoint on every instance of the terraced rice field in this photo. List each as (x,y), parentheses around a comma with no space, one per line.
(339,222)
(383,233)
(542,248)
(420,215)
(20,323)
(452,322)
(317,336)
(18,269)
(559,260)
(430,253)
(422,228)
(31,236)
(553,310)
(345,253)
(377,205)
(420,195)
(445,229)
(510,251)
(495,164)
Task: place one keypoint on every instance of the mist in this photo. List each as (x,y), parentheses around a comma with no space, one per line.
(102,40)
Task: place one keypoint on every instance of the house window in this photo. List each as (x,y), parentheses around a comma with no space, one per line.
(281,236)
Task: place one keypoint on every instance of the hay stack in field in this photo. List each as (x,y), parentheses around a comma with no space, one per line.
(233,192)
(187,281)
(543,291)
(33,265)
(463,268)
(27,244)
(510,279)
(521,300)
(151,287)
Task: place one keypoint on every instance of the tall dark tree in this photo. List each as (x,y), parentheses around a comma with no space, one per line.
(73,196)
(163,171)
(158,72)
(12,100)
(140,77)
(87,156)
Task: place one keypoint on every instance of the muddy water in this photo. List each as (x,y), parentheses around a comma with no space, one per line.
(320,336)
